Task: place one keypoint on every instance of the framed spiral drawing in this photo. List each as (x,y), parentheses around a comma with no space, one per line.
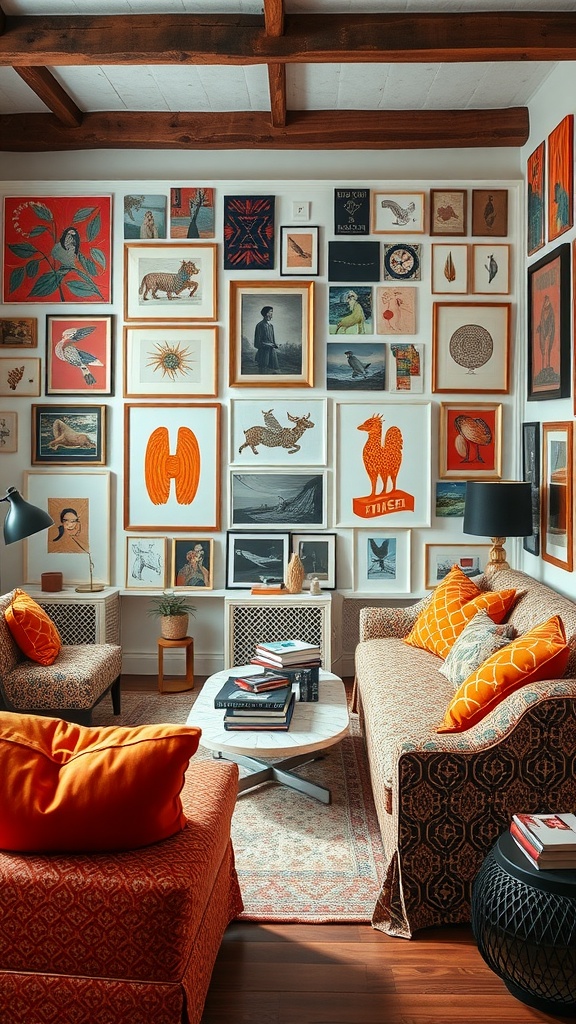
(471,347)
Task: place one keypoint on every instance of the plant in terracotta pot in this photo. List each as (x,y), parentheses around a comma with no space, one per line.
(173,611)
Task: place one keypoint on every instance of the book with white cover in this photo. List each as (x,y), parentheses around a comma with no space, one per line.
(549,831)
(280,647)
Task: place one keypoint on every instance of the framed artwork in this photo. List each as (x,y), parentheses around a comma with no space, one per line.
(398,213)
(350,309)
(380,474)
(249,233)
(382,561)
(449,268)
(531,473)
(354,261)
(20,332)
(450,498)
(560,178)
(439,559)
(299,251)
(8,432)
(291,432)
(448,211)
(471,347)
(301,210)
(549,325)
(145,563)
(170,362)
(287,499)
(557,494)
(57,249)
(172,467)
(396,310)
(406,374)
(470,441)
(20,376)
(69,435)
(402,261)
(351,211)
(252,558)
(271,336)
(535,210)
(79,504)
(192,212)
(317,552)
(490,211)
(79,355)
(355,366)
(166,281)
(144,217)
(491,269)
(193,563)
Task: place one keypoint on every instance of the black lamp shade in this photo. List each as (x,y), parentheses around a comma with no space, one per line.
(23,519)
(495,509)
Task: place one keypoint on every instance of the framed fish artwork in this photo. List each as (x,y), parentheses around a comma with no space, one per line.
(79,355)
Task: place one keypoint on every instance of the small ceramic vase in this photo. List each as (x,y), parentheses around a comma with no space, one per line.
(294,575)
(314,586)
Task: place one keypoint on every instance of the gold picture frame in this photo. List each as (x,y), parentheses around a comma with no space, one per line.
(282,356)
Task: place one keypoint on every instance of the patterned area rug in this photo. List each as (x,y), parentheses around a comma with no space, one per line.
(298,860)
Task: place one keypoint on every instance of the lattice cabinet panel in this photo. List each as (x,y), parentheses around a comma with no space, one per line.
(250,621)
(82,618)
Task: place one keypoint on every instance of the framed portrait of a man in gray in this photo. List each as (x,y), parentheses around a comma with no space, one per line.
(271,334)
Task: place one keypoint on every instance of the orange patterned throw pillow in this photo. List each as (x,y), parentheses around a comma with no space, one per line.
(542,653)
(66,787)
(32,629)
(454,603)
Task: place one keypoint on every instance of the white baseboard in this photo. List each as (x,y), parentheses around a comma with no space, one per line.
(146,664)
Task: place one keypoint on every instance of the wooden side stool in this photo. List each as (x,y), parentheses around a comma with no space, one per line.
(182,683)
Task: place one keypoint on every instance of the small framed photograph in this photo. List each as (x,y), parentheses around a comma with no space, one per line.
(448,207)
(19,376)
(549,326)
(406,373)
(145,563)
(471,347)
(470,558)
(350,310)
(351,211)
(398,213)
(536,209)
(271,334)
(169,281)
(291,432)
(253,558)
(144,217)
(317,552)
(299,252)
(193,563)
(450,498)
(287,499)
(470,441)
(355,366)
(560,178)
(396,310)
(8,432)
(170,362)
(18,332)
(531,473)
(491,269)
(382,561)
(79,355)
(490,211)
(557,494)
(449,268)
(69,435)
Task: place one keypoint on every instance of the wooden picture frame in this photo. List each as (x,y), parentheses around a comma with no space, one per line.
(557,494)
(285,499)
(69,435)
(549,326)
(382,562)
(79,355)
(299,251)
(490,211)
(170,361)
(536,197)
(531,473)
(253,364)
(439,559)
(449,268)
(395,213)
(256,558)
(290,432)
(145,567)
(19,377)
(317,552)
(470,441)
(560,178)
(18,332)
(8,432)
(448,211)
(187,269)
(192,563)
(471,347)
(490,269)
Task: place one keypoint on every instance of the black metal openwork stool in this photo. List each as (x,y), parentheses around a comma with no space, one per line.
(524,921)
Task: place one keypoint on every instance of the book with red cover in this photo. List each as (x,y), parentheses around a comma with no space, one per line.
(556,860)
(259,681)
(548,831)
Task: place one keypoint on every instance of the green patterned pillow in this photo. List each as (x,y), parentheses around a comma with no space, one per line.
(481,638)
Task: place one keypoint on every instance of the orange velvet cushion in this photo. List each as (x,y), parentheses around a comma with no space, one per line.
(455,601)
(66,787)
(542,653)
(32,629)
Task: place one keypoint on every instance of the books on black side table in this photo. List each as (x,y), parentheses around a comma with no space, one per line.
(234,719)
(547,840)
(283,653)
(233,696)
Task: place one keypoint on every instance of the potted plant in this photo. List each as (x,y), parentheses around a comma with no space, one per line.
(173,611)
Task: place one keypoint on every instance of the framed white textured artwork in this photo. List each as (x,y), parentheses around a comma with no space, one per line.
(289,432)
(382,561)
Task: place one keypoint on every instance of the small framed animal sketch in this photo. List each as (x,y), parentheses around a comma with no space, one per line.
(398,212)
(69,435)
(299,251)
(145,563)
(253,558)
(448,211)
(382,561)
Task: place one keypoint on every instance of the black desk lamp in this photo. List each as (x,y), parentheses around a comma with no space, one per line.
(498,510)
(23,519)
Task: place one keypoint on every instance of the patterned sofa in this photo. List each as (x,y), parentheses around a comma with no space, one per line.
(442,799)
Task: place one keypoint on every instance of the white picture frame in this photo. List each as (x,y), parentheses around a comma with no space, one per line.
(449,268)
(8,432)
(398,213)
(19,377)
(301,439)
(382,563)
(491,269)
(439,559)
(145,563)
(317,552)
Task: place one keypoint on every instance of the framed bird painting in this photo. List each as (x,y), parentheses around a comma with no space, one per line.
(382,561)
(549,326)
(79,355)
(299,251)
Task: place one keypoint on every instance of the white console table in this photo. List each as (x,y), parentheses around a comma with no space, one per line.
(250,620)
(92,618)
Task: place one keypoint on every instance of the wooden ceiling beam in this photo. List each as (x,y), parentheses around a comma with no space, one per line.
(312,38)
(310,129)
(274,17)
(43,83)
(277,87)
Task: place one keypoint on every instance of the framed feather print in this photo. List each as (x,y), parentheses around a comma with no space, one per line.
(299,251)
(79,355)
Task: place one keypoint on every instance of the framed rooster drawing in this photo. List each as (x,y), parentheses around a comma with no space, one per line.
(398,213)
(79,355)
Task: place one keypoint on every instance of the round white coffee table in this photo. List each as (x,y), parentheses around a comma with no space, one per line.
(315,726)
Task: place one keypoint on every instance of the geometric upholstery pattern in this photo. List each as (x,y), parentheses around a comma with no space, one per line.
(481,638)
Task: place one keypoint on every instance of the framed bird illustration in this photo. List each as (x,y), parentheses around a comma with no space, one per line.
(79,355)
(299,251)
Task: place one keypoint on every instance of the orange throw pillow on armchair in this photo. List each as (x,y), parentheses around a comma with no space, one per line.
(32,629)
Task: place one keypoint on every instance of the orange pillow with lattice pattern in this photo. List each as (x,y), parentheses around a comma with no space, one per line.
(542,653)
(32,629)
(454,603)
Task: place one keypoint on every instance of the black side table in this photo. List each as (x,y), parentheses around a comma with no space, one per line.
(524,921)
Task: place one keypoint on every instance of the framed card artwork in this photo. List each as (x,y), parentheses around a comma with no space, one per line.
(549,325)
(145,563)
(351,211)
(20,332)
(490,211)
(169,281)
(354,261)
(560,178)
(470,558)
(396,310)
(535,209)
(253,558)
(449,269)
(69,435)
(79,355)
(19,376)
(271,337)
(170,362)
(317,552)
(402,262)
(287,499)
(8,432)
(355,366)
(382,561)
(193,563)
(192,212)
(450,498)
(249,233)
(531,473)
(350,309)
(557,494)
(145,217)
(470,441)
(491,269)
(406,374)
(398,213)
(299,251)
(290,432)
(471,347)
(448,211)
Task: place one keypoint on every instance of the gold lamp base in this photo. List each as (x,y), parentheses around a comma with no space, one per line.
(89,588)
(497,556)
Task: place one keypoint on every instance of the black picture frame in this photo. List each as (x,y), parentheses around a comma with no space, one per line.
(351,211)
(531,473)
(548,297)
(256,558)
(68,435)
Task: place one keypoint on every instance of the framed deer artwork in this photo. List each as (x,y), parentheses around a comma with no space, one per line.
(286,434)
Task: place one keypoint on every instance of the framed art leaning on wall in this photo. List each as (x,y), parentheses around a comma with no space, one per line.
(557,494)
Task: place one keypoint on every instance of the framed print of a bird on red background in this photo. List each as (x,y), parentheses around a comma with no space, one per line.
(549,326)
(79,355)
(57,249)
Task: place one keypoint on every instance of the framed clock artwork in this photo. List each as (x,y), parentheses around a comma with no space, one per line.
(402,262)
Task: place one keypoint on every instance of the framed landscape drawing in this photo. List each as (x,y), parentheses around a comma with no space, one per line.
(253,558)
(287,499)
(448,211)
(557,494)
(290,432)
(450,498)
(271,334)
(317,552)
(490,211)
(19,376)
(169,281)
(470,558)
(8,432)
(145,563)
(471,347)
(549,325)
(535,212)
(398,213)
(18,332)
(560,178)
(491,269)
(299,251)
(170,362)
(531,473)
(79,355)
(470,441)
(193,563)
(69,435)
(382,561)
(449,268)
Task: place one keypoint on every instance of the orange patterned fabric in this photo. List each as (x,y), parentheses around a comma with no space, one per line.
(68,787)
(32,629)
(454,603)
(540,654)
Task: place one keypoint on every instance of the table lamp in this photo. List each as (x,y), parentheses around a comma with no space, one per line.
(23,519)
(498,509)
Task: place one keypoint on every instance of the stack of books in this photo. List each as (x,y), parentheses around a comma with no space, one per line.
(297,660)
(267,589)
(245,707)
(547,840)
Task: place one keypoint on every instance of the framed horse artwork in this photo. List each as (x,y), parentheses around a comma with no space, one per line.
(145,563)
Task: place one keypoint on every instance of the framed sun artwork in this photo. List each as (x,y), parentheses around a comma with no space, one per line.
(170,362)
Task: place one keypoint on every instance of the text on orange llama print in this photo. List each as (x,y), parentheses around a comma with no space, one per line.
(382,461)
(160,467)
